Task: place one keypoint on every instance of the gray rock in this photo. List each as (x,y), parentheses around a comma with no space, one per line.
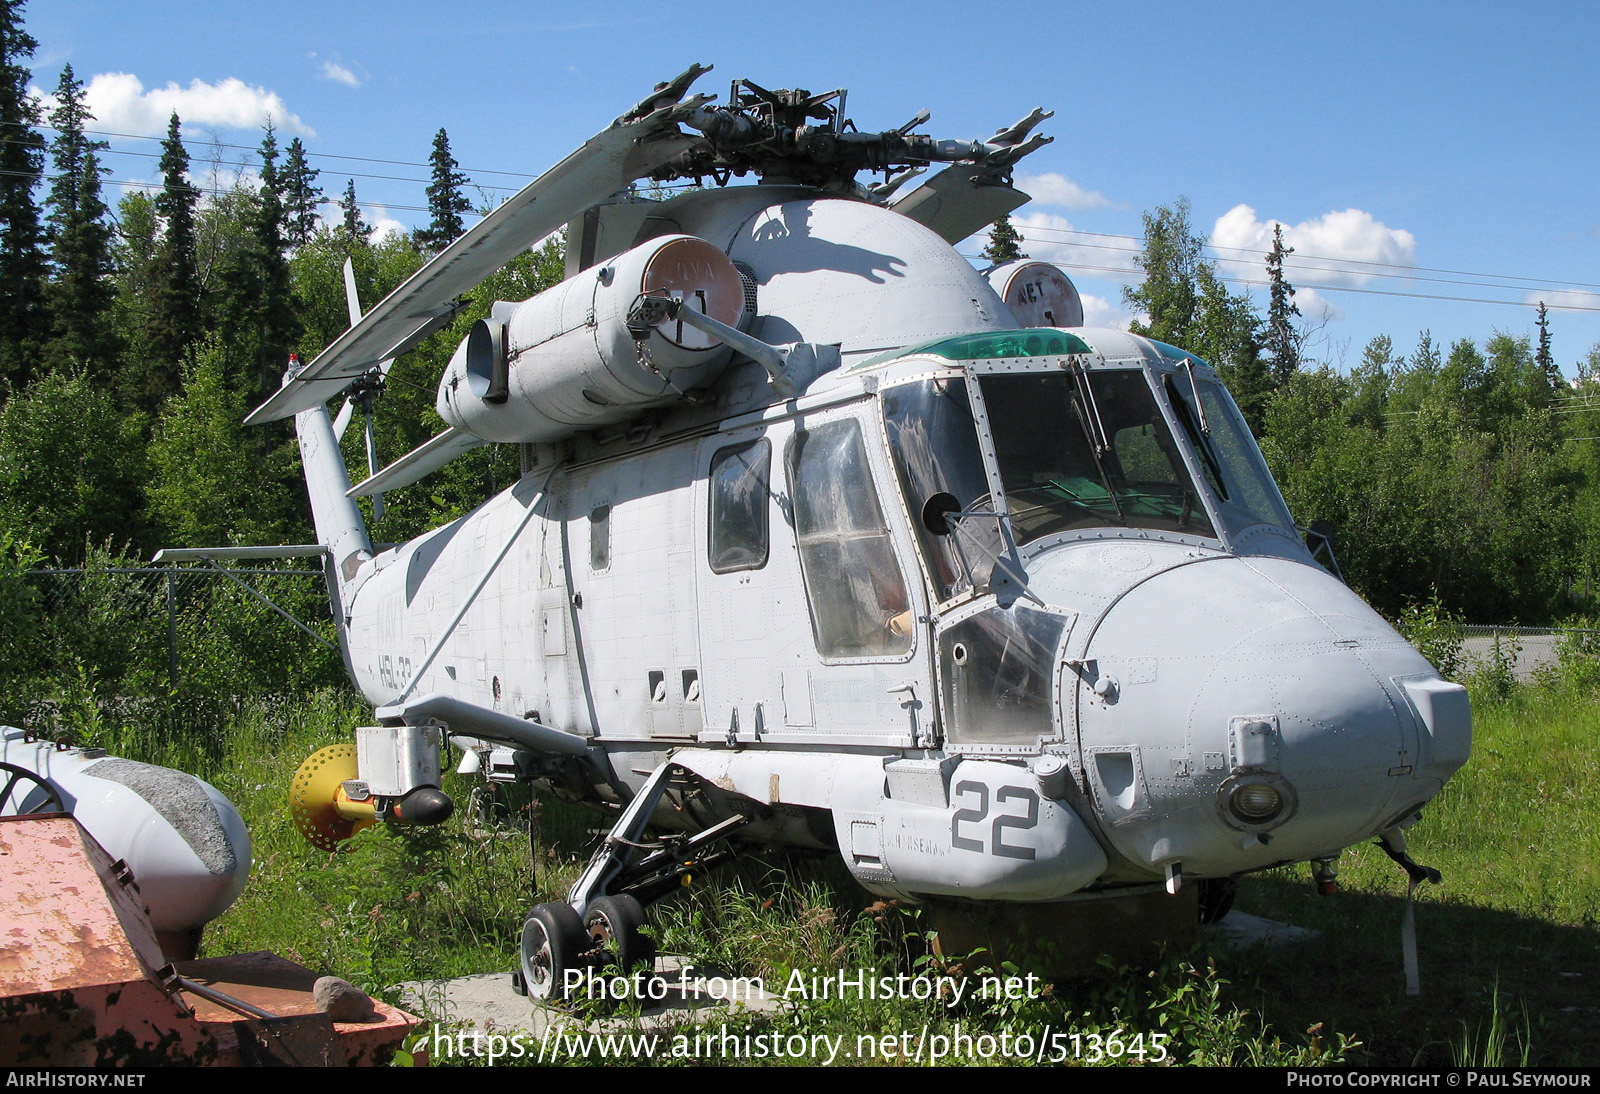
(342,1000)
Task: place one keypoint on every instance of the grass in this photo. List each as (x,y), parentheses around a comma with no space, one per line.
(1507,944)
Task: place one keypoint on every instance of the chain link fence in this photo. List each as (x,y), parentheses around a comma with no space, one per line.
(128,635)
(1523,651)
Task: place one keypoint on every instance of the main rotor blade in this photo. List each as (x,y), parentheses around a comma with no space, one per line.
(608,162)
(342,421)
(420,462)
(958,201)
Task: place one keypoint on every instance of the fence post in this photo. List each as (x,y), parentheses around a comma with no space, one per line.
(172,631)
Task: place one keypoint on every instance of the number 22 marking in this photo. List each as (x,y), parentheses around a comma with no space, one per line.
(1002,821)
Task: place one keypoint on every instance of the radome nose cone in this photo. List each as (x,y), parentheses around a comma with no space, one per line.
(1203,649)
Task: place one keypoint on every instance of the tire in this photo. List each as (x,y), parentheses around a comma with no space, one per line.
(553,941)
(1216,898)
(614,923)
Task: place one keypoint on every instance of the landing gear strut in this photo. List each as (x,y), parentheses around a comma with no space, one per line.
(601,921)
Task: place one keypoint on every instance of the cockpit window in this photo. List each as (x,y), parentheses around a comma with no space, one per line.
(935,445)
(1233,463)
(1088,449)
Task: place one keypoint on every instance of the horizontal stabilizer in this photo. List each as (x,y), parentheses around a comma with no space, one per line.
(959,201)
(427,299)
(419,463)
(225,554)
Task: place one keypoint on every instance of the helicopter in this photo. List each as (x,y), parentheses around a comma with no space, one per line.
(824,539)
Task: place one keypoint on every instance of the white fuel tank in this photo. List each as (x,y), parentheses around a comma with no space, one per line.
(565,360)
(184,841)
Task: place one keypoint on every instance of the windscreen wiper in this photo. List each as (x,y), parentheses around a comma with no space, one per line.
(1086,398)
(1201,441)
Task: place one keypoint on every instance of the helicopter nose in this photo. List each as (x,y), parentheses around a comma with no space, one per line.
(1240,712)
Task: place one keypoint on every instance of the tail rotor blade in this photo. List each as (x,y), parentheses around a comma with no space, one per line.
(342,421)
(350,296)
(372,467)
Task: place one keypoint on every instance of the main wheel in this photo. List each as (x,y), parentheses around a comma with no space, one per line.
(614,923)
(553,941)
(1216,898)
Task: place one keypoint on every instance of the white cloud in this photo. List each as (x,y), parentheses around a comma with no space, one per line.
(1057,189)
(120,104)
(1314,307)
(1340,237)
(383,224)
(333,70)
(1100,312)
(1564,298)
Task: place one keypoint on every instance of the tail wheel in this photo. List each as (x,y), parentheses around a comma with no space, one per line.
(614,924)
(553,941)
(312,797)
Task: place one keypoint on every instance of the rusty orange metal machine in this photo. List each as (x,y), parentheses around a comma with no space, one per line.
(84,981)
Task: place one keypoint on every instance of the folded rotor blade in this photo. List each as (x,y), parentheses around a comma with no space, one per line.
(342,421)
(372,466)
(958,201)
(420,462)
(607,163)
(350,297)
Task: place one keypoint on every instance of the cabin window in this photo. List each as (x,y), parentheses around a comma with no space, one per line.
(858,600)
(600,538)
(739,491)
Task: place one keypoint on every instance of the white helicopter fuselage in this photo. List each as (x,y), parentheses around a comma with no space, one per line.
(1116,662)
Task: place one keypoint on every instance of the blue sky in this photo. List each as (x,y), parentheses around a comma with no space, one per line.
(1425,150)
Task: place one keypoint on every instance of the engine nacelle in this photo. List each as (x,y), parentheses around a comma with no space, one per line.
(1038,293)
(566,360)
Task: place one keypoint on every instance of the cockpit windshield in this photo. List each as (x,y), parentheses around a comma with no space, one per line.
(1086,449)
(1230,460)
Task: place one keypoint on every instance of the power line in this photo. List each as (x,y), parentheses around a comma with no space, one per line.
(1408,270)
(1027,231)
(1340,288)
(320,155)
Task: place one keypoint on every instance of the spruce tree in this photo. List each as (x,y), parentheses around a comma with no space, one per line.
(300,195)
(175,319)
(67,151)
(80,292)
(260,324)
(1281,342)
(446,203)
(355,229)
(24,319)
(1544,358)
(1005,245)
